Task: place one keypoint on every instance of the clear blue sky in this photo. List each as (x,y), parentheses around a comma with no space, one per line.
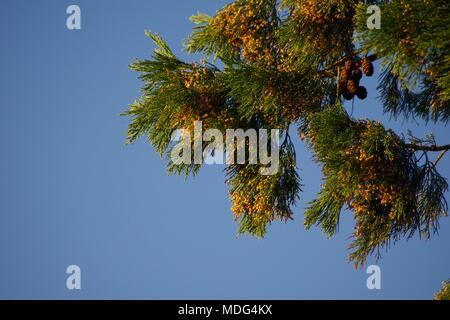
(72,193)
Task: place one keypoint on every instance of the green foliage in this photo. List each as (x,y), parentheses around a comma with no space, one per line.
(171,99)
(376,174)
(278,96)
(318,32)
(209,40)
(400,101)
(414,44)
(444,293)
(259,200)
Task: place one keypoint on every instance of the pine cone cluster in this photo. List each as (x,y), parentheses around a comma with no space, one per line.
(350,77)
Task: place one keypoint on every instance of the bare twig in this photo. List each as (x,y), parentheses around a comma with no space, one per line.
(439,158)
(433,148)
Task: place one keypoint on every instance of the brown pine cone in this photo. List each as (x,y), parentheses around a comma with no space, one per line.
(361,92)
(349,65)
(346,94)
(356,74)
(367,67)
(372,58)
(345,75)
(352,86)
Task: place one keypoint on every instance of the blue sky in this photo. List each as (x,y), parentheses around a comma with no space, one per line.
(72,193)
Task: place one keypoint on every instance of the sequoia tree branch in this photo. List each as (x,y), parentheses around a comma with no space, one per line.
(433,148)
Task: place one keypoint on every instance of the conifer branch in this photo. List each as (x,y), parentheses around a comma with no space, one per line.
(433,148)
(281,69)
